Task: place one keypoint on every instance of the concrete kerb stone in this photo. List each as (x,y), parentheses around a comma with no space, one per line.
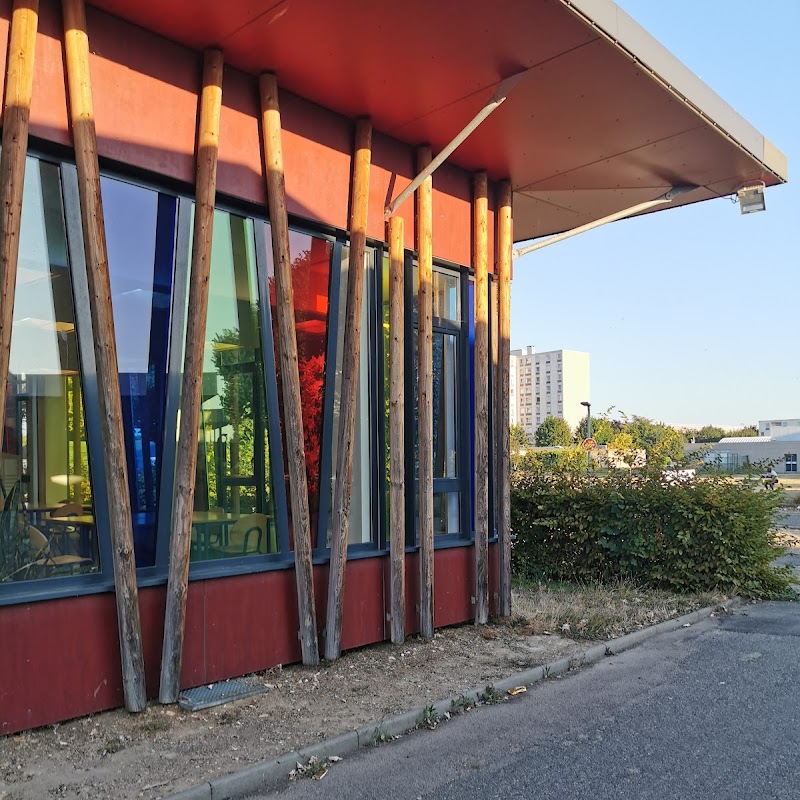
(201,792)
(258,777)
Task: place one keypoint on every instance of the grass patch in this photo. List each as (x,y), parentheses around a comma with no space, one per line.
(598,611)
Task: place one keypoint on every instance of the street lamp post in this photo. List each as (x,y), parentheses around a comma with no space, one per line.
(588,431)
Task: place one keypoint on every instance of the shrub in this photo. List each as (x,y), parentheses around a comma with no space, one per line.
(686,536)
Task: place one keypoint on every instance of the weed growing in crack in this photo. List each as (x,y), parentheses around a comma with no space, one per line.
(461,704)
(490,696)
(316,768)
(430,718)
(381,736)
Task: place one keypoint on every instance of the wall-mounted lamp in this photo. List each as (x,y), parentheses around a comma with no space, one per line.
(751,198)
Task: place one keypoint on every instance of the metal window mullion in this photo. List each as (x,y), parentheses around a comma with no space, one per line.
(88,367)
(409,336)
(463,442)
(278,488)
(378,444)
(329,386)
(177,333)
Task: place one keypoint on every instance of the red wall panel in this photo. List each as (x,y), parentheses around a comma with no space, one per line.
(61,657)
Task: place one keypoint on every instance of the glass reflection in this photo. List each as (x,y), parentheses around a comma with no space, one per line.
(360,528)
(234,511)
(47,523)
(140,230)
(311,267)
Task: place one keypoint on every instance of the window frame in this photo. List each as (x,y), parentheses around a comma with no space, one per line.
(103,580)
(462,482)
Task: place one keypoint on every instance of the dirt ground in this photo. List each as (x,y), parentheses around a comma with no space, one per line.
(165,749)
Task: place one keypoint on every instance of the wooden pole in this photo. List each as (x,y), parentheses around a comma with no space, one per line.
(16,113)
(191,391)
(505,239)
(76,46)
(481,372)
(425,394)
(397,454)
(349,390)
(287,354)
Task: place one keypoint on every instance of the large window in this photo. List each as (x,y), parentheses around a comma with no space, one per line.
(140,230)
(450,382)
(360,525)
(234,503)
(54,521)
(47,527)
(791,462)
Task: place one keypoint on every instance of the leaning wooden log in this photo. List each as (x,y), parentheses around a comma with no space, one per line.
(191,391)
(425,393)
(349,391)
(287,357)
(397,455)
(76,46)
(480,240)
(503,500)
(16,113)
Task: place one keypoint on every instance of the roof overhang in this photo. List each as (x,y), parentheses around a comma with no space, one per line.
(602,118)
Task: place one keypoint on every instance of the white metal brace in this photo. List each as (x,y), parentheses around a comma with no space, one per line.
(667,197)
(498,99)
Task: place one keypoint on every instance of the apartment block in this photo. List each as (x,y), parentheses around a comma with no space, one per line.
(548,384)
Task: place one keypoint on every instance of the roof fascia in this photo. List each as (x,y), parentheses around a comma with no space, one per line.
(624,32)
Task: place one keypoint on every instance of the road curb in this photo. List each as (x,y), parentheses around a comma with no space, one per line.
(260,776)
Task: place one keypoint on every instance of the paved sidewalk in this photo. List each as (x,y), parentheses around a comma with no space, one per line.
(275,771)
(709,712)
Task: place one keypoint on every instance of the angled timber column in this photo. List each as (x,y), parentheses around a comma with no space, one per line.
(359,206)
(76,46)
(503,501)
(480,239)
(16,113)
(397,455)
(425,393)
(191,390)
(287,356)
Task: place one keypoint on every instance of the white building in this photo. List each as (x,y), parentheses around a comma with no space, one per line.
(733,453)
(549,384)
(780,429)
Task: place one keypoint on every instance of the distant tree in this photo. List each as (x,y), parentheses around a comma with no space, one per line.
(668,448)
(553,432)
(602,430)
(518,439)
(748,430)
(519,442)
(661,442)
(621,444)
(708,433)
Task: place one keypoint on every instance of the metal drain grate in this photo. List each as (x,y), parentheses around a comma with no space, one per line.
(215,694)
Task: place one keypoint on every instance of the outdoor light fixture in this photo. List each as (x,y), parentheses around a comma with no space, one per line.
(751,198)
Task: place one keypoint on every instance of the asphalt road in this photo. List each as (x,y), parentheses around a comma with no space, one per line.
(711,711)
(791,519)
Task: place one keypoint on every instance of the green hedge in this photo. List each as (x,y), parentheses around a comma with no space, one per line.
(708,533)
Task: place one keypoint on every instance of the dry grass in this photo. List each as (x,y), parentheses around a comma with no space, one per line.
(599,611)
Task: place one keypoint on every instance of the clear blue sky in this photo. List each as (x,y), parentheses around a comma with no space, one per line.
(691,315)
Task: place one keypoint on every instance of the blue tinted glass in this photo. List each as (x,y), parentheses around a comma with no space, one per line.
(140,227)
